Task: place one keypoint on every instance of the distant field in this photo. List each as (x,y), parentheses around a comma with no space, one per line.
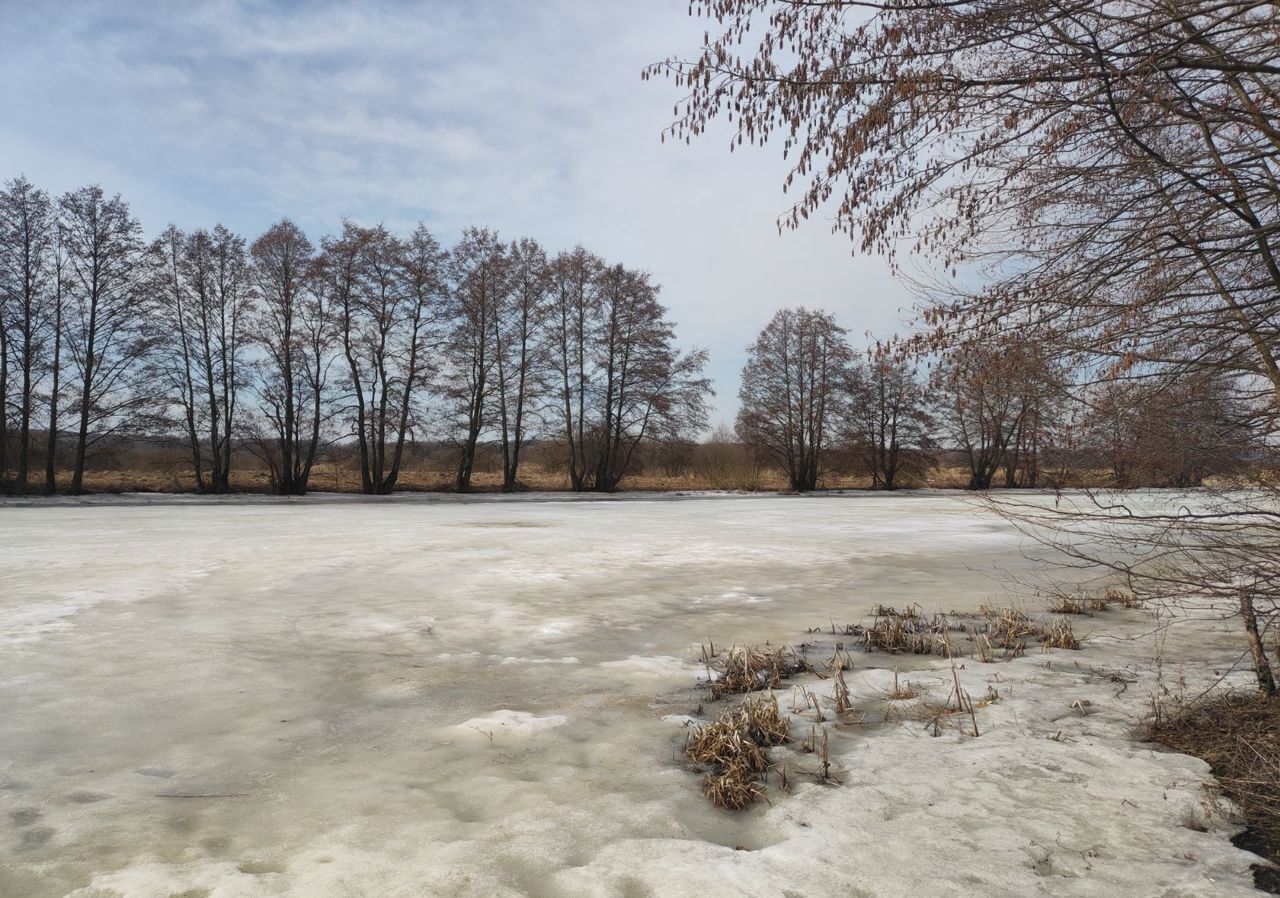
(341,478)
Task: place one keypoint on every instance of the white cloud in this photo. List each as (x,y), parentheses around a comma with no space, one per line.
(528,117)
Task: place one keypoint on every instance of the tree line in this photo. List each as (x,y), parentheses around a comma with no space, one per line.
(1009,412)
(283,347)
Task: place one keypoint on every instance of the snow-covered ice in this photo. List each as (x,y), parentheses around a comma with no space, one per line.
(484,698)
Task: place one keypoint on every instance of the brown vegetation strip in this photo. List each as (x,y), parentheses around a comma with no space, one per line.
(1238,734)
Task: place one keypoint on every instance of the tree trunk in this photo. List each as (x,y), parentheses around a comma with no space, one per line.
(4,405)
(82,434)
(24,425)
(1261,666)
(51,439)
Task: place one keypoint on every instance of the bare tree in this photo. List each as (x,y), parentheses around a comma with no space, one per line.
(791,391)
(105,337)
(218,269)
(995,399)
(479,274)
(383,296)
(888,423)
(60,275)
(5,326)
(174,360)
(520,356)
(574,277)
(644,387)
(1170,432)
(295,332)
(337,275)
(425,266)
(165,337)
(28,231)
(203,306)
(619,379)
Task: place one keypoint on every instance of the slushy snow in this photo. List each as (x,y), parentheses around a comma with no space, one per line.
(247,698)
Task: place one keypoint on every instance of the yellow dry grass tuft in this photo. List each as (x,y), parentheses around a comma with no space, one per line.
(733,745)
(1008,628)
(1058,635)
(1065,604)
(1119,595)
(907,631)
(751,668)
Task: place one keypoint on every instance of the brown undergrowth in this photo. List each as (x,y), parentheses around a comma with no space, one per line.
(1238,734)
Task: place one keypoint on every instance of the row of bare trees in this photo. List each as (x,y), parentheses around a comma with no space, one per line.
(72,328)
(281,347)
(1106,177)
(1002,409)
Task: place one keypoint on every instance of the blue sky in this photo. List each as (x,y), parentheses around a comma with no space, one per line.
(529,117)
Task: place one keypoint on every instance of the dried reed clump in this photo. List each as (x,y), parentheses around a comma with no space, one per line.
(1119,595)
(985,651)
(1087,604)
(912,610)
(751,668)
(982,647)
(1065,604)
(804,700)
(907,631)
(821,747)
(1009,627)
(733,745)
(1058,635)
(1238,734)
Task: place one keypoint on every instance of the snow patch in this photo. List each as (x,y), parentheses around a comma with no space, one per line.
(507,721)
(656,665)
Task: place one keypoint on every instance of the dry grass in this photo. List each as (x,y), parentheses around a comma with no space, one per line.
(840,692)
(1008,628)
(907,631)
(804,700)
(936,716)
(1065,604)
(1083,603)
(1058,635)
(733,746)
(904,690)
(1119,595)
(166,470)
(1238,734)
(750,668)
(342,476)
(982,647)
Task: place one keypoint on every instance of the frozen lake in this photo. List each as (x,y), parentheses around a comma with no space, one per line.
(416,697)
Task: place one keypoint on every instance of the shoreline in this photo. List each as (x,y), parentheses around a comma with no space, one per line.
(1058,779)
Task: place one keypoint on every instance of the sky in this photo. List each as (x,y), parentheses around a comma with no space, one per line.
(527,116)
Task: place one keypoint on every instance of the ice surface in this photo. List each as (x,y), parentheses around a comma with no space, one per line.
(484,698)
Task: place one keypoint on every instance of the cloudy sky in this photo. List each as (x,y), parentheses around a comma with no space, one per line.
(529,117)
